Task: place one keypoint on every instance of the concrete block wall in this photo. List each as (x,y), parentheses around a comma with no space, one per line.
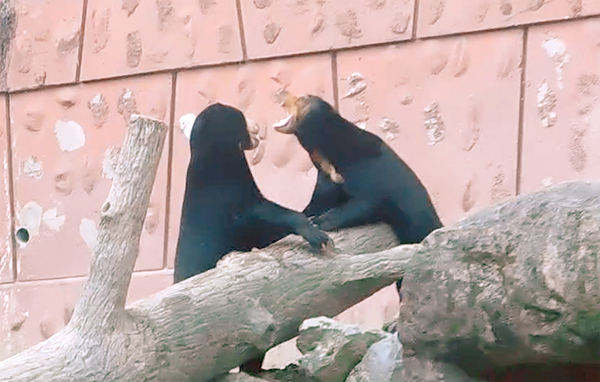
(483,98)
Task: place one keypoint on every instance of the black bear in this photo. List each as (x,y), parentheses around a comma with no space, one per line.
(361,180)
(223,209)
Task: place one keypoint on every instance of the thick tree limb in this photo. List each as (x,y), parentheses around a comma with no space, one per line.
(254,301)
(121,221)
(211,323)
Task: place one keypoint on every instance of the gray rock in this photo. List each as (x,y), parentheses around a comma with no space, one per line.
(332,349)
(381,363)
(515,283)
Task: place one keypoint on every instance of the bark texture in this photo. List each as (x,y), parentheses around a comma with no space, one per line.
(211,323)
(516,283)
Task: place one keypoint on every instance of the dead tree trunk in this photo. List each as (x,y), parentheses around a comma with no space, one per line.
(208,324)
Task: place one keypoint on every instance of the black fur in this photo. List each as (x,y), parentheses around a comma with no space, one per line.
(377,185)
(223,209)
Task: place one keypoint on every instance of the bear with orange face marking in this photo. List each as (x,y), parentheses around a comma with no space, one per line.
(361,180)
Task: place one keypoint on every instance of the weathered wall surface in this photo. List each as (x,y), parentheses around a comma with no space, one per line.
(484,99)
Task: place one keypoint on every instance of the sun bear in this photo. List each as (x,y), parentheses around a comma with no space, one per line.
(223,209)
(361,180)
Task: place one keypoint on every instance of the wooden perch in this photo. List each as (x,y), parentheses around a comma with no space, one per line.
(211,323)
(205,325)
(121,221)
(253,301)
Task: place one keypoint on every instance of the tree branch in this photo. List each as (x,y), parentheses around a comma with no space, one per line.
(211,323)
(253,301)
(121,220)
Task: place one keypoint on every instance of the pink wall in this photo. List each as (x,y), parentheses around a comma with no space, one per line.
(483,98)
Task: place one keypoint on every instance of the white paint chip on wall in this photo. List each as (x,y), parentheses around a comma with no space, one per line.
(53,220)
(30,217)
(88,232)
(186,122)
(557,51)
(70,135)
